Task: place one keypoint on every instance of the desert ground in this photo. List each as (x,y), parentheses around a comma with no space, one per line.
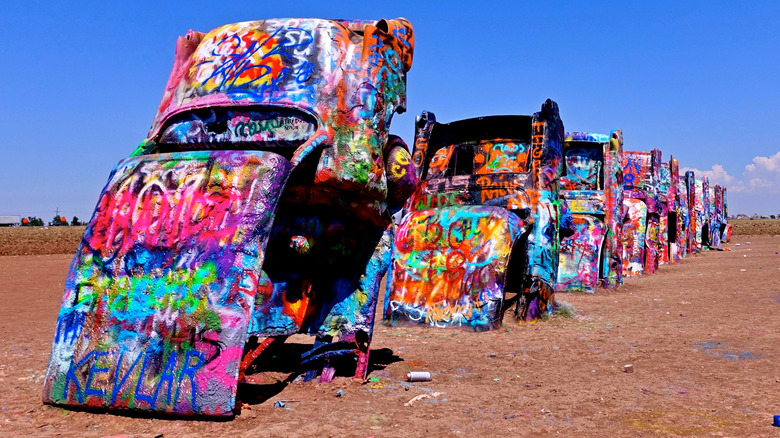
(702,337)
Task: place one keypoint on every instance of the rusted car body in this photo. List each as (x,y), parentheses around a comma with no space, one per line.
(259,206)
(483,221)
(592,187)
(641,178)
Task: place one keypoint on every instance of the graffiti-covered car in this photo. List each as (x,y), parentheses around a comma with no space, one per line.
(695,211)
(701,208)
(259,206)
(592,187)
(723,211)
(669,227)
(641,176)
(715,216)
(683,218)
(483,221)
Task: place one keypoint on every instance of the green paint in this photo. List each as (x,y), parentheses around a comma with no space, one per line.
(212,320)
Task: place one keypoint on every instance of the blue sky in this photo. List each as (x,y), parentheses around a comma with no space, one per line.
(80,81)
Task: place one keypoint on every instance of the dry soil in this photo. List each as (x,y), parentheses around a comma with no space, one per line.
(702,337)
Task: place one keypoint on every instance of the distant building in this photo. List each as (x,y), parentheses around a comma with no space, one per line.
(10,220)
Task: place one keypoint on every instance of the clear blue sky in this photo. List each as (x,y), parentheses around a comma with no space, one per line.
(80,81)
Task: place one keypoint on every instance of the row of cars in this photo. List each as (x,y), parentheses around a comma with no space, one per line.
(261,204)
(507,211)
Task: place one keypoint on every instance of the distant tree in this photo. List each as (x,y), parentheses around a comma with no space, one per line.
(58,221)
(75,221)
(34,221)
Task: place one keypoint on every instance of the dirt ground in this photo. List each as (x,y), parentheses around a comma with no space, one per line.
(39,240)
(744,227)
(702,337)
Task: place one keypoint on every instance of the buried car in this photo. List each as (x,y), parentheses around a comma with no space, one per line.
(259,206)
(483,221)
(641,177)
(592,186)
(669,233)
(683,218)
(723,214)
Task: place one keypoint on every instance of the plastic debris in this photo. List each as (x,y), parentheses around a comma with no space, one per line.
(340,393)
(421,397)
(278,404)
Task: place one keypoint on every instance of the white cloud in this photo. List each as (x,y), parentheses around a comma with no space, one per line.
(717,175)
(761,176)
(765,164)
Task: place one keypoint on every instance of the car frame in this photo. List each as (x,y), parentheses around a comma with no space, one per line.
(259,206)
(592,187)
(484,221)
(641,178)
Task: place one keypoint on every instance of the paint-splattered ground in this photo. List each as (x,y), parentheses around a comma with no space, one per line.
(702,337)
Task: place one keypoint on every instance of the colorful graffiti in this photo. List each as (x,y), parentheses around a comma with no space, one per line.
(490,182)
(669,226)
(725,227)
(641,177)
(159,296)
(683,219)
(259,206)
(593,190)
(694,209)
(459,257)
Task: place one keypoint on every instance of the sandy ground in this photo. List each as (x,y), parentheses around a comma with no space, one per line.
(702,337)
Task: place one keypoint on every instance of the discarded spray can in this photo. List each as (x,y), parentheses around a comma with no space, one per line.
(418,376)
(776,421)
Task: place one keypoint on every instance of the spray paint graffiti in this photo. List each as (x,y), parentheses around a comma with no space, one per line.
(641,177)
(159,295)
(700,212)
(725,227)
(670,229)
(483,221)
(706,219)
(713,216)
(459,256)
(593,190)
(683,219)
(695,206)
(259,206)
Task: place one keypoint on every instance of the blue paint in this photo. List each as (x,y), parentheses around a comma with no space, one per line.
(93,370)
(189,370)
(123,379)
(140,396)
(167,376)
(70,376)
(720,351)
